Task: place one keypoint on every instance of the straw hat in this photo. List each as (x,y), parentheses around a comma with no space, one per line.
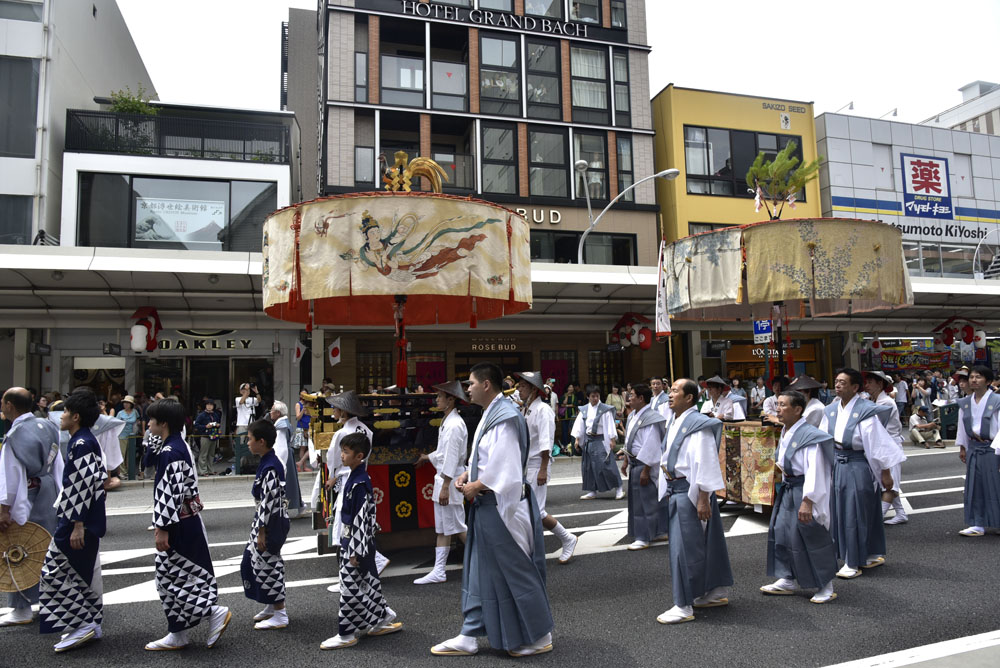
(717,380)
(880,375)
(349,402)
(533,378)
(129,399)
(454,388)
(804,382)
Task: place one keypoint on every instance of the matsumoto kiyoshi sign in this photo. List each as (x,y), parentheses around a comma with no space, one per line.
(926,192)
(943,231)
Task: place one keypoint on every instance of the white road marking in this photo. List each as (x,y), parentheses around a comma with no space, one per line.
(929,492)
(938,650)
(947,477)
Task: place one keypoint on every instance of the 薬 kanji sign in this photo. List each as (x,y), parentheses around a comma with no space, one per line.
(926,192)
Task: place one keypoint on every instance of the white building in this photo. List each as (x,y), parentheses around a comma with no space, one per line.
(978,112)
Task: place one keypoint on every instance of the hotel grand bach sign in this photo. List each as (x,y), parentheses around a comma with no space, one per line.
(491,19)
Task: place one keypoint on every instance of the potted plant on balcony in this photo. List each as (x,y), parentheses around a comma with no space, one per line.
(133,130)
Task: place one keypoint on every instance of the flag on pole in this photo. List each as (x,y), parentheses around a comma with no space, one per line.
(300,351)
(333,352)
(662,316)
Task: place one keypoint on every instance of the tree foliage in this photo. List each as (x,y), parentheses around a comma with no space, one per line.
(780,179)
(127,102)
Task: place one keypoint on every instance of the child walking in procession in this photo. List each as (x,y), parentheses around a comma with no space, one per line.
(363,610)
(70,593)
(185,578)
(263,569)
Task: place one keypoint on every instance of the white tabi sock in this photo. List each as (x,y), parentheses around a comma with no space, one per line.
(897,505)
(441,558)
(886,505)
(559,531)
(177,639)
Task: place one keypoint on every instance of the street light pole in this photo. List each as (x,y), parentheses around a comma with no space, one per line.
(581,168)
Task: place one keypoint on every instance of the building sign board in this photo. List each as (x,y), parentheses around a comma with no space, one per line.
(485,17)
(196,224)
(761,331)
(926,192)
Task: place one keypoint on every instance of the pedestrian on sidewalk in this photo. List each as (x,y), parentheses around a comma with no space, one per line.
(70,591)
(363,609)
(263,569)
(246,407)
(206,426)
(185,578)
(448,460)
(299,442)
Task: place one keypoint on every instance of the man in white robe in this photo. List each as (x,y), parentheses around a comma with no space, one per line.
(644,431)
(595,434)
(800,551)
(659,400)
(690,475)
(503,581)
(865,455)
(878,385)
(541,421)
(31,472)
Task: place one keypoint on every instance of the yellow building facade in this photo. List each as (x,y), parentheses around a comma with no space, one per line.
(713,138)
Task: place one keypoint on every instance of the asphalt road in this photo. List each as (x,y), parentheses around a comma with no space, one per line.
(935,586)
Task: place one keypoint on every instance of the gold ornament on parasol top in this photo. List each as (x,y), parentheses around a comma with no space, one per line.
(22,553)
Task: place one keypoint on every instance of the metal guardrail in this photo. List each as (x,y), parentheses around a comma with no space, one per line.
(176,137)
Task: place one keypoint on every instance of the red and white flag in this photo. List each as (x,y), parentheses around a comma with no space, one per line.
(333,352)
(662,315)
(300,351)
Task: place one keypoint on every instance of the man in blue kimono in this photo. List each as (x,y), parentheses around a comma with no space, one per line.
(503,582)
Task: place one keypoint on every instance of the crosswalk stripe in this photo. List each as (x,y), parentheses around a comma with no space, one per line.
(928,492)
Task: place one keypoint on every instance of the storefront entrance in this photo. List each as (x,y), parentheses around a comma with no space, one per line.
(193,379)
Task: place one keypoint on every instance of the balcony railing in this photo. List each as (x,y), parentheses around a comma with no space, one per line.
(176,137)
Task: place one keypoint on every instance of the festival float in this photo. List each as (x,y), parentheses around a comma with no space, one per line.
(395,258)
(777,270)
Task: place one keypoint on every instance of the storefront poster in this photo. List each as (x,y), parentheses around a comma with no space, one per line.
(193,223)
(926,192)
(906,361)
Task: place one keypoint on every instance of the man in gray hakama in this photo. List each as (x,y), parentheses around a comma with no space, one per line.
(800,551)
(594,431)
(644,432)
(699,561)
(503,582)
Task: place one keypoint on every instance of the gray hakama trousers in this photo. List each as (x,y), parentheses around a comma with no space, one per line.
(647,516)
(982,486)
(803,552)
(598,467)
(503,589)
(855,509)
(699,559)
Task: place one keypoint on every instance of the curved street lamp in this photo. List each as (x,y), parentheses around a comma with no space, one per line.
(581,168)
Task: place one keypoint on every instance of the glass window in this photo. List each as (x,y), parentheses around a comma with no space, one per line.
(500,76)
(626,176)
(104,210)
(15,219)
(588,68)
(550,8)
(360,77)
(252,202)
(448,85)
(695,154)
(364,164)
(590,147)
(723,158)
(500,5)
(618,14)
(460,3)
(18,106)
(600,248)
(911,254)
(586,11)
(499,164)
(21,11)
(619,65)
(542,86)
(403,81)
(179,214)
(548,172)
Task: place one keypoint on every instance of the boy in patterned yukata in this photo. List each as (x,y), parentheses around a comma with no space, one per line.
(263,569)
(363,610)
(70,592)
(185,579)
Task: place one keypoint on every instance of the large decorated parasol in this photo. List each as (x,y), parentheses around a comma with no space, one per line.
(803,268)
(22,553)
(396,258)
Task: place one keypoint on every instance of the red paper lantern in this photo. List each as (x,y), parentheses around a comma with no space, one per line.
(645,338)
(968,334)
(876,345)
(614,337)
(948,336)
